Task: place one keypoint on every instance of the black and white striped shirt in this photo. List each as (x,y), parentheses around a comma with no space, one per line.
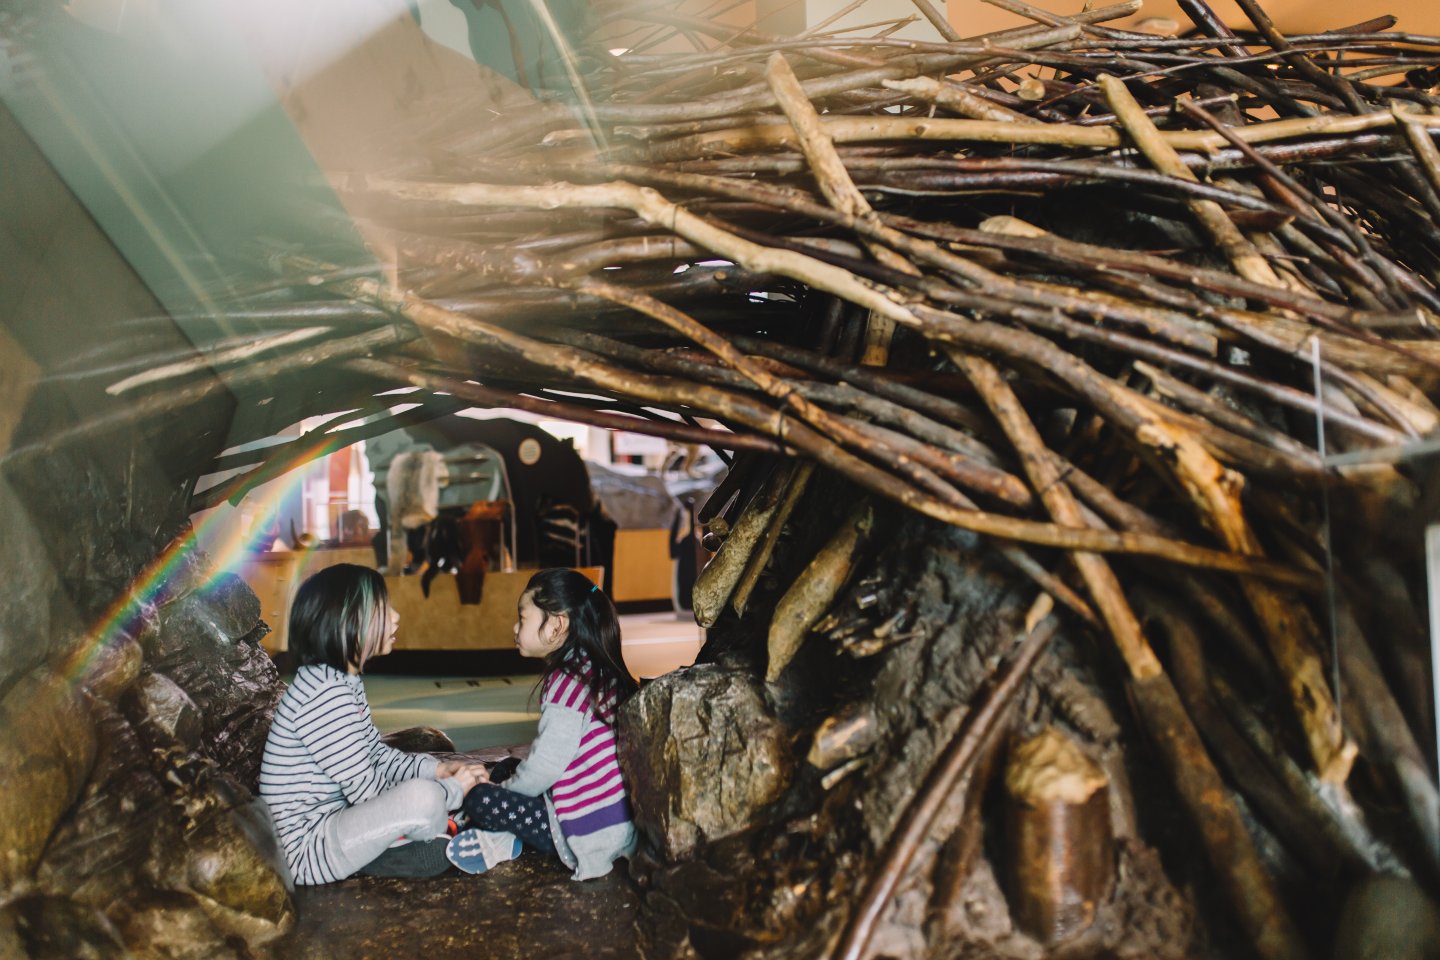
(323,755)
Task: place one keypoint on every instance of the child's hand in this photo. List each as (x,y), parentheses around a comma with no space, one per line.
(466,772)
(472,774)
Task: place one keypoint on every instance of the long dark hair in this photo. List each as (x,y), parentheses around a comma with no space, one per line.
(591,651)
(334,612)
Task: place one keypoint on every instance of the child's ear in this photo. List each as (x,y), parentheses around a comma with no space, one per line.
(559,627)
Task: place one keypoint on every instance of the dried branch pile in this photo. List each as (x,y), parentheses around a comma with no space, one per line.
(1065,286)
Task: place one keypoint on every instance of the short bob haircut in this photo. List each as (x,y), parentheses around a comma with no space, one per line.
(334,613)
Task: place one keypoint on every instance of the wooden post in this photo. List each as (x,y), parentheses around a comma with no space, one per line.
(1061,862)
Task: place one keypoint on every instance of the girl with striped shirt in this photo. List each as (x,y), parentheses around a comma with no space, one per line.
(343,801)
(567,798)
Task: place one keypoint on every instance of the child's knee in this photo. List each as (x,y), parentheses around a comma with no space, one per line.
(425,798)
(478,800)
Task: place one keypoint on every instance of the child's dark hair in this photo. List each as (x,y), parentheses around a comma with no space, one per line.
(594,631)
(333,613)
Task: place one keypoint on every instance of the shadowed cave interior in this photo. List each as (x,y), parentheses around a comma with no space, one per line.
(1064,592)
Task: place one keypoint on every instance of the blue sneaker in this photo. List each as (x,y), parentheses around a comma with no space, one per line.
(476,851)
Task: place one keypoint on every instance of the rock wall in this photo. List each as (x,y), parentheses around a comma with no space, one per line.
(134,697)
(132,731)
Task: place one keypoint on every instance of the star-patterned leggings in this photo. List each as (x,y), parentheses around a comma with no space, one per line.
(492,807)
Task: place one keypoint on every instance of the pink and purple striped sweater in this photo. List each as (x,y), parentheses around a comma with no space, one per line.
(590,795)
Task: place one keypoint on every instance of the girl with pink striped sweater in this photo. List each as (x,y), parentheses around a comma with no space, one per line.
(568,796)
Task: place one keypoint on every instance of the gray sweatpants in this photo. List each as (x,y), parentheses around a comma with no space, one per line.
(357,835)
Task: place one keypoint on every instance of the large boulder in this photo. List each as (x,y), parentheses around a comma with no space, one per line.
(47,746)
(98,849)
(234,868)
(58,928)
(703,756)
(162,824)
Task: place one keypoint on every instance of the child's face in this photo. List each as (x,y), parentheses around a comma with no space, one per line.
(382,637)
(537,635)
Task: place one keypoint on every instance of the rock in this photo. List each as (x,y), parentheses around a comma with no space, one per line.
(1388,917)
(703,756)
(47,746)
(191,627)
(213,621)
(232,606)
(114,667)
(219,844)
(662,931)
(187,829)
(163,713)
(236,694)
(235,868)
(842,737)
(121,556)
(99,850)
(420,740)
(174,927)
(256,635)
(58,928)
(187,569)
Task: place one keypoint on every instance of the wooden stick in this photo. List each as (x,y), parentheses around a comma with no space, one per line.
(1251,890)
(1252,895)
(1099,579)
(1290,807)
(835,183)
(815,589)
(900,129)
(1215,493)
(716,583)
(1242,253)
(317,442)
(215,361)
(1389,742)
(953,96)
(149,409)
(760,557)
(654,208)
(1061,855)
(482,396)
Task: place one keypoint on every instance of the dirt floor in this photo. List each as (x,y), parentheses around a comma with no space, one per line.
(527,908)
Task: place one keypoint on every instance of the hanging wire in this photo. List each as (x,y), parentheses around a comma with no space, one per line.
(1325,526)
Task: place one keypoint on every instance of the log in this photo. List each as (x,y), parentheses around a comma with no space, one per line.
(815,590)
(760,558)
(1060,852)
(843,736)
(716,583)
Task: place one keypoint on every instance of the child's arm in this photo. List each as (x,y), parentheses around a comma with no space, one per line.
(397,766)
(557,743)
(343,739)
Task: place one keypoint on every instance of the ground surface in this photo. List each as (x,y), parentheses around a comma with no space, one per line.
(528,908)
